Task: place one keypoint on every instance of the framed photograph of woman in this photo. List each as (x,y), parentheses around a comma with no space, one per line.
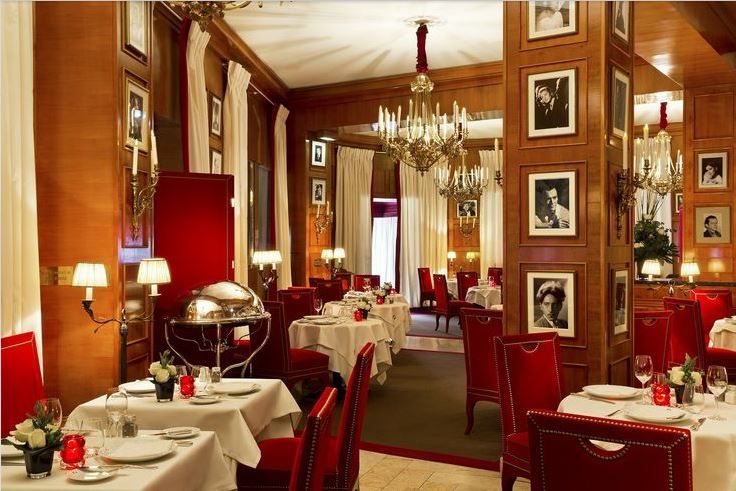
(712,224)
(551,103)
(620,302)
(712,170)
(135,33)
(136,114)
(621,14)
(552,207)
(319,152)
(551,302)
(216,162)
(319,191)
(468,209)
(216,126)
(551,18)
(619,102)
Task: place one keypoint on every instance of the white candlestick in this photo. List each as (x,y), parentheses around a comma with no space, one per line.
(625,142)
(154,153)
(319,207)
(135,158)
(328,207)
(154,289)
(88,293)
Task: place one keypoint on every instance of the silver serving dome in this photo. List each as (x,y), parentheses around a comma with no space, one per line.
(221,303)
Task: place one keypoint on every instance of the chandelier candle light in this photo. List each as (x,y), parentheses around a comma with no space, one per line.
(461,185)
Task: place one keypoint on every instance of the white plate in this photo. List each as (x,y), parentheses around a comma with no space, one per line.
(325,322)
(611,391)
(178,432)
(136,449)
(138,387)
(235,388)
(204,399)
(655,414)
(312,317)
(10,452)
(89,476)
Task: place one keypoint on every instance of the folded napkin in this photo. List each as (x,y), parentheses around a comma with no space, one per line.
(587,407)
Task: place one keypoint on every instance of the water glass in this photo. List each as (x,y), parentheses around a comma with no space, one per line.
(52,407)
(116,406)
(181,370)
(693,398)
(94,431)
(717,379)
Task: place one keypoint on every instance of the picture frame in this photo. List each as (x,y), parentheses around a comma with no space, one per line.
(551,302)
(136,28)
(620,301)
(620,83)
(552,204)
(319,154)
(136,115)
(216,118)
(319,191)
(216,162)
(679,202)
(712,171)
(712,225)
(621,20)
(467,209)
(551,103)
(551,19)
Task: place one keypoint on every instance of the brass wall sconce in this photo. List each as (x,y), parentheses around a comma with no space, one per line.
(142,198)
(470,257)
(689,270)
(498,178)
(332,260)
(468,227)
(322,221)
(261,259)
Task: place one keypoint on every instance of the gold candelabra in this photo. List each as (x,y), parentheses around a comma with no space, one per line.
(467,228)
(626,195)
(322,221)
(142,200)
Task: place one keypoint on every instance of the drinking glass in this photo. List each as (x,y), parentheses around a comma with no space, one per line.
(52,407)
(116,405)
(643,370)
(94,430)
(717,379)
(318,305)
(696,399)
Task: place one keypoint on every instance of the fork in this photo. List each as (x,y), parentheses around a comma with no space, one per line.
(696,426)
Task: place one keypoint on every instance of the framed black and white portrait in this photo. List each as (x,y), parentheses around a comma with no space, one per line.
(713,170)
(712,224)
(319,152)
(551,302)
(619,102)
(136,28)
(216,126)
(552,207)
(620,302)
(468,208)
(216,162)
(679,202)
(551,103)
(551,18)
(621,13)
(319,191)
(136,115)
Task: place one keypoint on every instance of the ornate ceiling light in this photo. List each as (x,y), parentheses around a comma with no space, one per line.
(427,137)
(462,184)
(657,172)
(203,12)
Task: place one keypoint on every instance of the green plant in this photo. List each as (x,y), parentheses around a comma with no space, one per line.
(36,434)
(686,373)
(651,237)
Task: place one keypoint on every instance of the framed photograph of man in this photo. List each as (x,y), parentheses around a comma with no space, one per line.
(319,191)
(551,18)
(319,152)
(216,126)
(620,302)
(621,13)
(136,29)
(552,207)
(468,208)
(619,102)
(679,202)
(712,224)
(551,302)
(216,162)
(136,115)
(551,103)
(713,170)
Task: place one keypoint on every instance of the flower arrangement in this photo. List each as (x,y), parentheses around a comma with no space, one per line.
(380,292)
(651,237)
(686,373)
(363,305)
(36,434)
(387,286)
(163,370)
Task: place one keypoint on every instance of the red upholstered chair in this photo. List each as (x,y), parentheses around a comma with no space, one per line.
(445,306)
(278,360)
(480,326)
(297,304)
(715,304)
(426,290)
(346,279)
(343,465)
(308,470)
(653,457)
(314,282)
(529,377)
(21,379)
(465,279)
(330,291)
(650,336)
(496,274)
(358,281)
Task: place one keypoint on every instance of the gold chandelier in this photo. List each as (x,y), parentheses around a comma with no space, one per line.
(427,137)
(656,170)
(203,12)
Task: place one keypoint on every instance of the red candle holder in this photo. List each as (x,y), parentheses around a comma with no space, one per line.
(358,315)
(379,300)
(186,386)
(661,394)
(72,452)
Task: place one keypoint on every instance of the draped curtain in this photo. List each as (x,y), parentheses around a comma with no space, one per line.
(199,146)
(281,197)
(384,242)
(353,207)
(235,157)
(20,302)
(491,214)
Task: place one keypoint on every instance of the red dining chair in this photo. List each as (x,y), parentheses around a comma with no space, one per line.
(480,326)
(650,336)
(715,304)
(529,377)
(308,470)
(297,304)
(358,281)
(445,306)
(653,457)
(343,465)
(426,290)
(330,291)
(314,282)
(345,278)
(496,274)
(22,384)
(465,279)
(279,360)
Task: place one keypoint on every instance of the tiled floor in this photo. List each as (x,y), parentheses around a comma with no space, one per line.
(387,472)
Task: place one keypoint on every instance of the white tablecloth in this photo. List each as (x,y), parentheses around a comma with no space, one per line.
(713,445)
(342,342)
(452,287)
(484,295)
(238,422)
(723,334)
(198,467)
(395,316)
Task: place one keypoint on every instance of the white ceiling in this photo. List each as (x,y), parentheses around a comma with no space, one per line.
(308,43)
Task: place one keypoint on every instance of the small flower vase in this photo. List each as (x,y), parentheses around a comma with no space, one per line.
(365,314)
(38,463)
(165,391)
(379,300)
(684,393)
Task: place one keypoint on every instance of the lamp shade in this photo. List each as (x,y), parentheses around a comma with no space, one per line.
(689,269)
(451,255)
(89,275)
(470,255)
(154,271)
(274,257)
(651,267)
(327,254)
(339,253)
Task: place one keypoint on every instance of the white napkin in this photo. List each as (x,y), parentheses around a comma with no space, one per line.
(588,407)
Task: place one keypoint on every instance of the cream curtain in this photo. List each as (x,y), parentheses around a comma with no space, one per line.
(423,230)
(235,158)
(281,198)
(491,214)
(199,147)
(353,207)
(20,305)
(384,242)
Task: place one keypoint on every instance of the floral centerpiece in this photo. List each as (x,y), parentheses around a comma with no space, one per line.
(364,306)
(380,294)
(387,286)
(37,438)
(651,237)
(683,375)
(164,376)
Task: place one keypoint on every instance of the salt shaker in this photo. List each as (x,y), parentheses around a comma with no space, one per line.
(216,375)
(130,426)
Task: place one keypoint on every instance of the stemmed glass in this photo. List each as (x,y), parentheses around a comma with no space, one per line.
(318,305)
(94,435)
(643,369)
(52,407)
(717,379)
(116,405)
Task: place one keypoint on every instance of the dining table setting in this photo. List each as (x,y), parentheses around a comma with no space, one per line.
(723,333)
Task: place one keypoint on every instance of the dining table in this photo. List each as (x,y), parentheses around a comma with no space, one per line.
(394,313)
(723,334)
(484,295)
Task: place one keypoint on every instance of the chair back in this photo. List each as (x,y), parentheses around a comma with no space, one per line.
(425,280)
(496,274)
(480,326)
(715,304)
(441,296)
(529,377)
(330,291)
(21,379)
(650,336)
(273,359)
(346,279)
(358,281)
(308,470)
(465,279)
(351,422)
(685,335)
(653,457)
(314,282)
(297,304)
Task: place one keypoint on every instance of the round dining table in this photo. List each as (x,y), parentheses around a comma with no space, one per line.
(723,334)
(393,313)
(484,295)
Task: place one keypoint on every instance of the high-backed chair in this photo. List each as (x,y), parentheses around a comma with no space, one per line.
(297,304)
(653,457)
(279,360)
(465,279)
(445,306)
(529,377)
(715,304)
(374,279)
(426,290)
(345,278)
(314,282)
(650,336)
(496,274)
(343,463)
(480,326)
(330,291)
(21,379)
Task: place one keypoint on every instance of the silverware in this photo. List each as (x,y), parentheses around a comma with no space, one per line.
(696,426)
(12,462)
(184,443)
(170,433)
(590,398)
(104,467)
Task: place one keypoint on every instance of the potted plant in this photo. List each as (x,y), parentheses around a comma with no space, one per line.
(164,376)
(651,237)
(38,439)
(682,376)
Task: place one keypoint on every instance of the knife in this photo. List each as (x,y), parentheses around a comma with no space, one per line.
(585,396)
(696,426)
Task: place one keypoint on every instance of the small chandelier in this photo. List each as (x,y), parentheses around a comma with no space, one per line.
(461,184)
(426,139)
(203,12)
(651,155)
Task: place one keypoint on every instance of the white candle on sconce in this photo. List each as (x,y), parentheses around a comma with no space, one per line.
(625,142)
(319,207)
(135,158)
(328,207)
(154,153)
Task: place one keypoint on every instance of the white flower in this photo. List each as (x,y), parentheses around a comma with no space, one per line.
(162,376)
(676,376)
(154,368)
(172,369)
(23,429)
(698,378)
(37,438)
(660,230)
(638,245)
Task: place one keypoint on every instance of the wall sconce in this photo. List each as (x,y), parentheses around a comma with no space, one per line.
(261,259)
(322,221)
(142,198)
(470,257)
(328,256)
(651,268)
(688,269)
(468,227)
(153,272)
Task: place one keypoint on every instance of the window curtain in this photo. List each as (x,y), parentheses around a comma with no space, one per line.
(199,146)
(423,230)
(353,207)
(491,214)
(384,242)
(20,305)
(281,198)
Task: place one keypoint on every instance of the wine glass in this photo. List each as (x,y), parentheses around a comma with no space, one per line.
(696,398)
(93,430)
(52,407)
(643,370)
(717,383)
(318,305)
(116,405)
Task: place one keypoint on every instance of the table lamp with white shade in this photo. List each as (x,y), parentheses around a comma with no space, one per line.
(651,268)
(339,254)
(689,269)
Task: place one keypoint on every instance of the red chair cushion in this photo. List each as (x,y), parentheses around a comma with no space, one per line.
(517,444)
(278,453)
(304,358)
(458,304)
